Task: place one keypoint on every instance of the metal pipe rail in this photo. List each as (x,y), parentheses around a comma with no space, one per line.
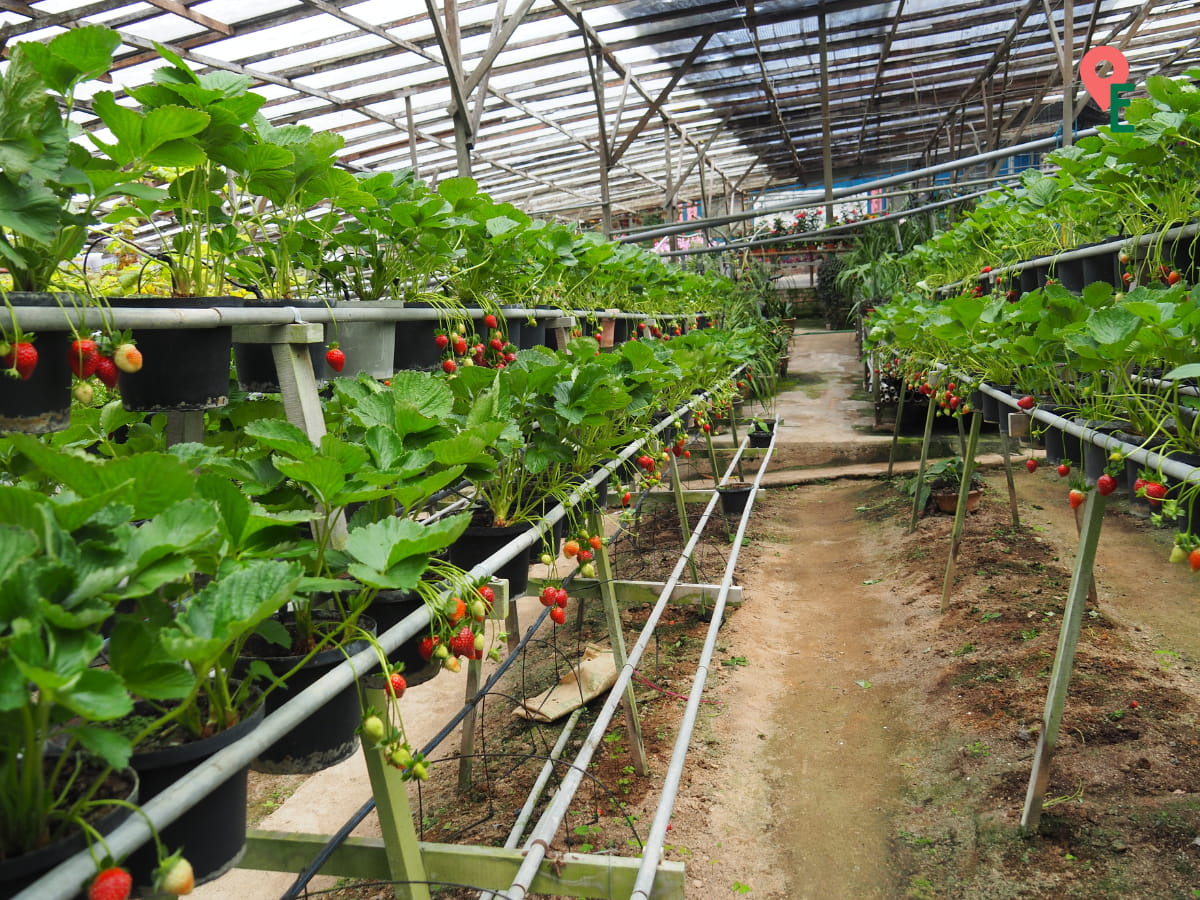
(653,847)
(1181,472)
(551,819)
(808,198)
(62,883)
(92,316)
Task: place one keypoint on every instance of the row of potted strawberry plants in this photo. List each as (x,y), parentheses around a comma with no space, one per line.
(171,562)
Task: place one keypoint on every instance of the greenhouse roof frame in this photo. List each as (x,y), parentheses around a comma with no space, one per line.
(551,104)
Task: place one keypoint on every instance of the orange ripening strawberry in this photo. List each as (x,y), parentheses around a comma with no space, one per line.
(128,358)
(175,876)
(1194,559)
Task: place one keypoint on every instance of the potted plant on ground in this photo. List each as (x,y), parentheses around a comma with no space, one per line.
(942,483)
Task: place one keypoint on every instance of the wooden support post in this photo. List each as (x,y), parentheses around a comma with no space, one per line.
(896,430)
(712,457)
(1008,477)
(612,615)
(960,512)
(681,507)
(733,432)
(297,383)
(395,819)
(1064,661)
(466,749)
(184,427)
(826,118)
(916,510)
(962,437)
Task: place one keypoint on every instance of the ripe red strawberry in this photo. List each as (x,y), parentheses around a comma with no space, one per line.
(490,321)
(626,498)
(335,358)
(585,556)
(1138,484)
(1076,498)
(1155,493)
(561,597)
(428,644)
(1173,277)
(1027,402)
(707,428)
(1127,277)
(23,357)
(107,372)
(986,269)
(449,366)
(1194,559)
(110,884)
(496,344)
(460,346)
(559,615)
(487,595)
(547,595)
(128,358)
(397,685)
(1133,704)
(442,341)
(1031,464)
(1064,470)
(1106,484)
(175,876)
(82,357)
(463,643)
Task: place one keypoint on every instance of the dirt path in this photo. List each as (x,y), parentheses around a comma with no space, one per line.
(801,804)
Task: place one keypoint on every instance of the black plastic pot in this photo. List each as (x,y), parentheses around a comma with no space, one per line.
(212,834)
(370,347)
(18,872)
(1054,446)
(734,497)
(256,362)
(991,408)
(1102,267)
(1029,280)
(415,346)
(388,608)
(760,438)
(182,368)
(1069,273)
(327,736)
(478,542)
(41,403)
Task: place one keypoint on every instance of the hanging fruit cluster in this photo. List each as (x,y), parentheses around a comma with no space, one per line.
(457,350)
(103,360)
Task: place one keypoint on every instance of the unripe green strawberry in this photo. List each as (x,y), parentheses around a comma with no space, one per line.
(1178,554)
(84,393)
(372,728)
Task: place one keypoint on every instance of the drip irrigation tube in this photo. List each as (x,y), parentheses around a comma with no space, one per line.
(653,847)
(538,843)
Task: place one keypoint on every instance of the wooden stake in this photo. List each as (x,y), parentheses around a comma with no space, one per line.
(395,820)
(921,467)
(616,636)
(1008,476)
(681,507)
(896,431)
(1064,660)
(960,511)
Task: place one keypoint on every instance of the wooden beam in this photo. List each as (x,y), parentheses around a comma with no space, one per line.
(769,89)
(598,88)
(656,104)
(183,12)
(826,125)
(872,97)
(700,153)
(489,868)
(986,72)
(500,38)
